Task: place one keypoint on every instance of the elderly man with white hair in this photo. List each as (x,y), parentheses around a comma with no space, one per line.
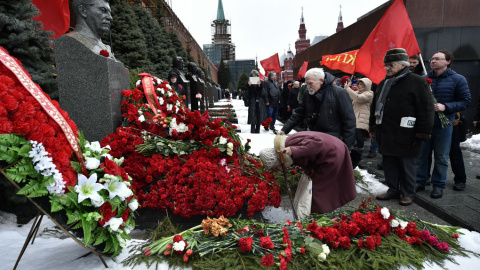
(327,108)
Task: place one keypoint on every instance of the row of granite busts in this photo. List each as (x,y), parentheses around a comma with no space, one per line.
(192,68)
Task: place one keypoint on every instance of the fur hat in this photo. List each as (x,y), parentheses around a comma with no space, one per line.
(397,54)
(269,156)
(344,79)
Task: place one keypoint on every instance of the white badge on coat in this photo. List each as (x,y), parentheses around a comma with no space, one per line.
(408,122)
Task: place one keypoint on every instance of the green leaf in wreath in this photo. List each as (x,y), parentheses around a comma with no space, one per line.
(56,204)
(87,231)
(76,166)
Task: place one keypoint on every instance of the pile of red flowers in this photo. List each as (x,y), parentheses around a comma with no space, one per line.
(368,229)
(217,178)
(21,113)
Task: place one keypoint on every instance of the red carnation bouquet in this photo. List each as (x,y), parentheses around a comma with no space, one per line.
(187,162)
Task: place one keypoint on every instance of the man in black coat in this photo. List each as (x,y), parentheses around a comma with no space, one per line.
(273,96)
(401,116)
(326,107)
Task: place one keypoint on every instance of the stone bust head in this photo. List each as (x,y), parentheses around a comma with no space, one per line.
(93,20)
(192,68)
(178,63)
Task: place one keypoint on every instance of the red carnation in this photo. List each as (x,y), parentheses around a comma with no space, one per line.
(104,53)
(267,260)
(177,238)
(126,214)
(266,242)
(429,81)
(302,250)
(245,244)
(107,213)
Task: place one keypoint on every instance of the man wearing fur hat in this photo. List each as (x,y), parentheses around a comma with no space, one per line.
(401,117)
(325,158)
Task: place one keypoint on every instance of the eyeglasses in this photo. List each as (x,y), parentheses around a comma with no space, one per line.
(390,65)
(436,59)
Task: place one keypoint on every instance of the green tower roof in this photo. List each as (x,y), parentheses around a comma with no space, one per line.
(220,14)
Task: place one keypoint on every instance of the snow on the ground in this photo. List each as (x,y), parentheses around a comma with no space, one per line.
(53,250)
(472,143)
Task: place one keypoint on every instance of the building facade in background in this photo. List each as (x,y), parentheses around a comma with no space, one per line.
(237,67)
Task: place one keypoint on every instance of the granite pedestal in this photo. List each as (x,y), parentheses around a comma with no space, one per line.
(90,87)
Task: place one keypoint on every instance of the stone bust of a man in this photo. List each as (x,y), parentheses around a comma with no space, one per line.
(93,20)
(178,63)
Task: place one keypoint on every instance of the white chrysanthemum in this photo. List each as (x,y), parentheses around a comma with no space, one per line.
(88,187)
(158,81)
(133,204)
(394,223)
(92,163)
(169,87)
(161,91)
(403,224)
(179,246)
(44,165)
(385,213)
(141,118)
(94,146)
(107,155)
(182,127)
(169,107)
(161,101)
(177,103)
(138,82)
(222,140)
(222,162)
(118,188)
(114,223)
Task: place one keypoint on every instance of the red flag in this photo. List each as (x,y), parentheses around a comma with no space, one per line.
(262,77)
(54,14)
(271,64)
(343,61)
(394,30)
(303,70)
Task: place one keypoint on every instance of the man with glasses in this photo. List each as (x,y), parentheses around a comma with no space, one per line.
(401,116)
(452,95)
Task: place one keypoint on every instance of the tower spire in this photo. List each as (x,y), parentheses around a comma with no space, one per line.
(220,13)
(340,20)
(302,21)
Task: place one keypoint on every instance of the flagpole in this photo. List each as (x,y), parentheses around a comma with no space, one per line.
(423,65)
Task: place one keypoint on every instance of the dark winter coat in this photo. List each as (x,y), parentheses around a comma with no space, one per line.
(292,98)
(256,93)
(451,90)
(477,111)
(273,93)
(409,97)
(328,158)
(330,111)
(179,89)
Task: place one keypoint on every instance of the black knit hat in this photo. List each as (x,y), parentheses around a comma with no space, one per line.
(172,74)
(397,54)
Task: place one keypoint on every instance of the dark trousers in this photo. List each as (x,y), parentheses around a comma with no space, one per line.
(359,139)
(255,125)
(400,174)
(456,158)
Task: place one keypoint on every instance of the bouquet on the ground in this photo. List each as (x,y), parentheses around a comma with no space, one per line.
(40,159)
(185,161)
(369,237)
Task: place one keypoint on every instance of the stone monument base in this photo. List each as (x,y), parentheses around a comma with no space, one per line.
(90,87)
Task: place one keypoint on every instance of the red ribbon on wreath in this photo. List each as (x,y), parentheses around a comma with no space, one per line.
(149,91)
(47,106)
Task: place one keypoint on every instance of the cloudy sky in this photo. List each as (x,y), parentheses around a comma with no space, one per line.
(265,27)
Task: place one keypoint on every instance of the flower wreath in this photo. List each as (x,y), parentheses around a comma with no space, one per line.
(41,160)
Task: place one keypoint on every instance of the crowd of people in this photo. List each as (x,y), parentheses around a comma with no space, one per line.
(412,117)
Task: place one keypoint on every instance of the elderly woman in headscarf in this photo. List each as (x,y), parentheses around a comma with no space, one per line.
(257,97)
(324,158)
